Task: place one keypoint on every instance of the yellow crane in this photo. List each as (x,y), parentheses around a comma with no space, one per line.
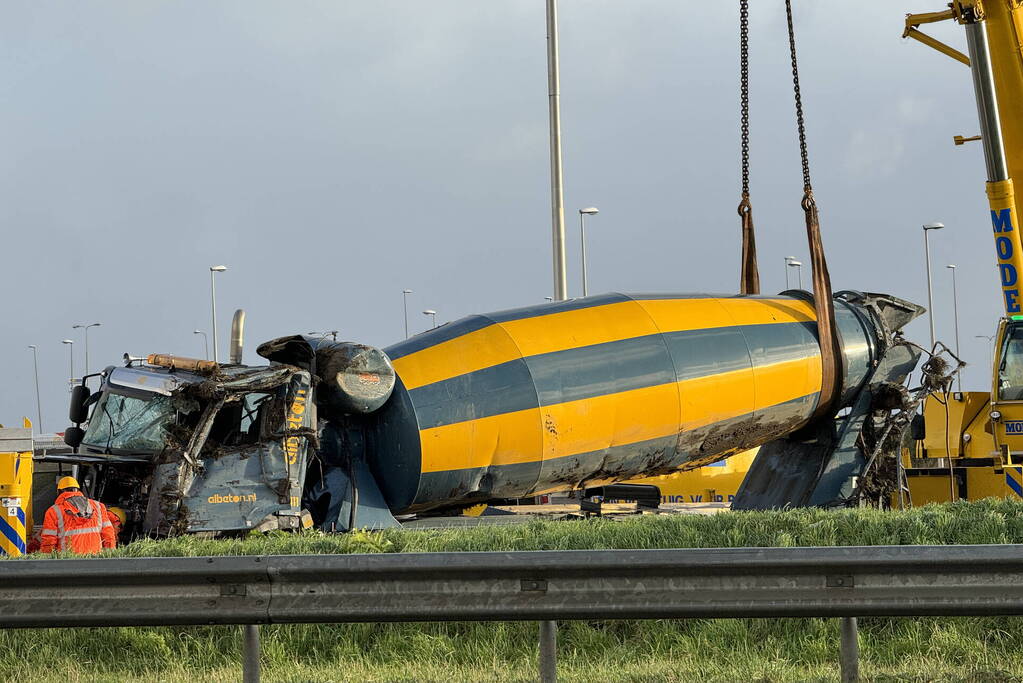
(970,444)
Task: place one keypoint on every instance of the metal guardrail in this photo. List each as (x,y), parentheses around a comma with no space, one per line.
(900,581)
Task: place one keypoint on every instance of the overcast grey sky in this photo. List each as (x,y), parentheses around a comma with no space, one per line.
(333,153)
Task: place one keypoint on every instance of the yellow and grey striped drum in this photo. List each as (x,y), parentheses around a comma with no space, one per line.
(599,389)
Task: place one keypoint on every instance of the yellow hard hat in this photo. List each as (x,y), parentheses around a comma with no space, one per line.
(68,483)
(119,513)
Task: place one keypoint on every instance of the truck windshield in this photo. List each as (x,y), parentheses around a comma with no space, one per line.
(1010,369)
(127,423)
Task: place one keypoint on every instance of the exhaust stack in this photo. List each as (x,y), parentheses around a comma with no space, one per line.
(237,336)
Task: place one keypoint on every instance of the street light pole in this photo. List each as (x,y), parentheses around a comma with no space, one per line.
(991,347)
(404,303)
(205,342)
(213,305)
(791,262)
(955,317)
(86,328)
(930,290)
(433,317)
(788,259)
(71,360)
(591,211)
(557,186)
(39,405)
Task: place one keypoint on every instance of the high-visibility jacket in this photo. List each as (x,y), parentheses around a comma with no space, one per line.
(78,524)
(115,522)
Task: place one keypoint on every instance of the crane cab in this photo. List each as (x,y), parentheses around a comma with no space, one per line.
(1007,392)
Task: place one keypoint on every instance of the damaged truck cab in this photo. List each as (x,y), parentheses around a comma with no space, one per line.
(193,446)
(190,446)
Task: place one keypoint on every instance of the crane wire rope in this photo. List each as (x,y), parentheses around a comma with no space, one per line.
(824,305)
(749,281)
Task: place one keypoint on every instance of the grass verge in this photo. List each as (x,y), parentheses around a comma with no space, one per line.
(974,649)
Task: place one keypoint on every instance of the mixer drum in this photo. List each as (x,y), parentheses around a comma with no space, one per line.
(595,390)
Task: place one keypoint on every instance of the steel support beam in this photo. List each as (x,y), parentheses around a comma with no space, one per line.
(850,651)
(250,654)
(548,652)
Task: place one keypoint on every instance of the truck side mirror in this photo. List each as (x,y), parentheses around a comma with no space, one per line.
(73,436)
(918,428)
(78,412)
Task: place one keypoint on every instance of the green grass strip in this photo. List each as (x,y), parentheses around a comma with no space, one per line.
(933,649)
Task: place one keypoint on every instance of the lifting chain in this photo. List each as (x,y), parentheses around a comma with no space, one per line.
(824,305)
(800,121)
(749,282)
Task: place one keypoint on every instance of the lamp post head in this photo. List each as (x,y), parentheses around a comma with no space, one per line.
(795,264)
(32,346)
(429,312)
(218,269)
(951,265)
(67,341)
(933,226)
(589,211)
(198,332)
(406,291)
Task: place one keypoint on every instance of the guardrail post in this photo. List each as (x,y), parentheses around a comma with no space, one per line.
(250,653)
(548,652)
(850,655)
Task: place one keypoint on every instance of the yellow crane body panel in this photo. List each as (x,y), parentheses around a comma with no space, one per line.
(980,469)
(713,483)
(960,415)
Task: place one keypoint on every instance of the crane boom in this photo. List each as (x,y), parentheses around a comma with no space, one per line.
(993,32)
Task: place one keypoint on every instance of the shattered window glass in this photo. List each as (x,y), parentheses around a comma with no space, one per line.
(128,423)
(249,420)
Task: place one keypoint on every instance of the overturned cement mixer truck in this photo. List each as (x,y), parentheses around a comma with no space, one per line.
(555,397)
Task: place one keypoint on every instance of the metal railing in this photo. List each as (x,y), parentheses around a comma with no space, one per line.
(846,582)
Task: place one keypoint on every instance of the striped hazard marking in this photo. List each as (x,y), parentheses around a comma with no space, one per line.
(1014,480)
(12,533)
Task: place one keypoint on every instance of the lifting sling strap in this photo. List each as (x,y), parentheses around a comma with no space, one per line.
(824,305)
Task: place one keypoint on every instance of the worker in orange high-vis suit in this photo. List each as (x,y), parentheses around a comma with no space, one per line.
(76,523)
(117,518)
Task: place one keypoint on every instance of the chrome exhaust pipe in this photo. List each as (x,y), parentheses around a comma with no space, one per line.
(237,336)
